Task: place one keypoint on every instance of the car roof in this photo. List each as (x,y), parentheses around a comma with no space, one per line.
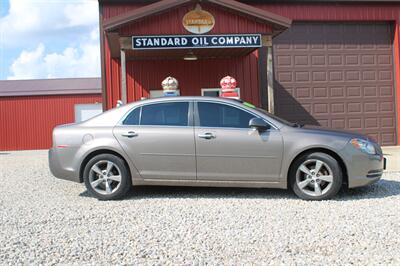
(185,98)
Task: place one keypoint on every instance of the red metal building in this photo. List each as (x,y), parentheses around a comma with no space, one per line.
(30,109)
(331,63)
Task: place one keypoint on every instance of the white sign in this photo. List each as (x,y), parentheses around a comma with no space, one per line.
(193,41)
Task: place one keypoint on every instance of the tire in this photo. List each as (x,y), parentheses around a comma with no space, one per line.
(305,180)
(107,177)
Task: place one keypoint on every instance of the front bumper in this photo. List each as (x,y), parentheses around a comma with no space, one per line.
(58,169)
(364,169)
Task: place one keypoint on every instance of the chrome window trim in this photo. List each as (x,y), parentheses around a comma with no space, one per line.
(155,126)
(190,110)
(192,104)
(232,128)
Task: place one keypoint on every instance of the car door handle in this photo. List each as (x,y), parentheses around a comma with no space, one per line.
(207,135)
(130,134)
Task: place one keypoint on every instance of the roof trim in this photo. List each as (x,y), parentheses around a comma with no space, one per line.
(254,1)
(163,5)
(62,86)
(141,12)
(258,13)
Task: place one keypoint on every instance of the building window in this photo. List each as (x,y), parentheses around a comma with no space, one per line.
(211,92)
(84,112)
(214,92)
(158,93)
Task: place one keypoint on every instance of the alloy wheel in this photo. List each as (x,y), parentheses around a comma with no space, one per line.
(314,177)
(105,177)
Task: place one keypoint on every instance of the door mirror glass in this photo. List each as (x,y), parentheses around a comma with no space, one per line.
(259,124)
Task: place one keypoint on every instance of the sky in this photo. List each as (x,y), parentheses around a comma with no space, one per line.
(49,39)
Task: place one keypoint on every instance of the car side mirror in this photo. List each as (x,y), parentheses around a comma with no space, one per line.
(259,124)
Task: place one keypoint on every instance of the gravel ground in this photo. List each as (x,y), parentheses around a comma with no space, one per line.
(47,221)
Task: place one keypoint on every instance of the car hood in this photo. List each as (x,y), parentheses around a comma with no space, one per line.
(340,132)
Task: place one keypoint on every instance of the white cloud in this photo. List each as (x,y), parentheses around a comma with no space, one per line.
(82,61)
(51,38)
(30,20)
(25,66)
(81,14)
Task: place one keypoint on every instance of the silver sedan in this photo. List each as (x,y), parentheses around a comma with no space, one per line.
(204,141)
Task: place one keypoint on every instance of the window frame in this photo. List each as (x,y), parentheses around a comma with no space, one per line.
(190,114)
(79,107)
(203,90)
(128,113)
(159,92)
(197,116)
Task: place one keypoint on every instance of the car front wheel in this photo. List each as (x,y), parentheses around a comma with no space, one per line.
(107,177)
(316,176)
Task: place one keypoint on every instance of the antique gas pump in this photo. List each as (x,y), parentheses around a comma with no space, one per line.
(170,86)
(228,87)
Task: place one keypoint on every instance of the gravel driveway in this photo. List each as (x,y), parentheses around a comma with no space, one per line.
(45,221)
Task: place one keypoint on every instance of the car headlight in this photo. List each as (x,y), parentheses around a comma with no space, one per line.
(363,145)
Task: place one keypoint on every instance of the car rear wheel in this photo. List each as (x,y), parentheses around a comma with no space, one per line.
(316,176)
(107,177)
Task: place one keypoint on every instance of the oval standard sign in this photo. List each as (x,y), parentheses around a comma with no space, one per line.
(198,21)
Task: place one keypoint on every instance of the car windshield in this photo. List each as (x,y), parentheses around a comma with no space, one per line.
(277,118)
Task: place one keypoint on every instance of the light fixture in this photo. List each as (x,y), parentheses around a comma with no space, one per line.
(190,56)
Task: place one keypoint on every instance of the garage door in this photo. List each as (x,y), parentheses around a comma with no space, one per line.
(337,75)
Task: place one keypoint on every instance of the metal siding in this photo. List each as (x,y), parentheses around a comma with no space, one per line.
(193,75)
(171,23)
(27,122)
(347,12)
(302,12)
(396,54)
(112,65)
(108,77)
(112,10)
(338,75)
(334,11)
(142,77)
(113,79)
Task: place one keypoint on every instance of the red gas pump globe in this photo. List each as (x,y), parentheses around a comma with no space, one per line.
(228,87)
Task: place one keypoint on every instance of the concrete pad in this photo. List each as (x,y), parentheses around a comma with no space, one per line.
(392,155)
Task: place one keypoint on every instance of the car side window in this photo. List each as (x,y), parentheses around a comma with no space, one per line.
(222,115)
(165,114)
(133,118)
